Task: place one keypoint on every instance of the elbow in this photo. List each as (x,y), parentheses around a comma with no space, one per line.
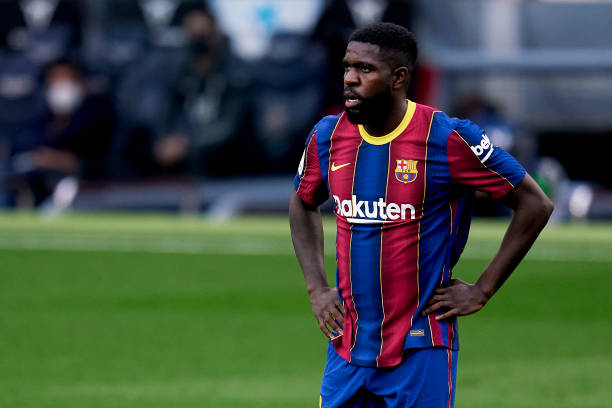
(550,207)
(529,200)
(545,209)
(538,208)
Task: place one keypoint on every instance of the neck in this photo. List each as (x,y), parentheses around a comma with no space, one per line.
(389,122)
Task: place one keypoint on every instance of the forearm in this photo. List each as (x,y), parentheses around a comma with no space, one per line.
(307,235)
(531,213)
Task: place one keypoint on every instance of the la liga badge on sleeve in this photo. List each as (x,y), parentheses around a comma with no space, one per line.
(406,170)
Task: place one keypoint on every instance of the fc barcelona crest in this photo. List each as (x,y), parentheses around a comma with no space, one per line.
(406,170)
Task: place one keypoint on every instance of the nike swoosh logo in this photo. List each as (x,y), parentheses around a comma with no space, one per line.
(334,167)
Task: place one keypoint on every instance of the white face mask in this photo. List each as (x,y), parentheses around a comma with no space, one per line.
(64,96)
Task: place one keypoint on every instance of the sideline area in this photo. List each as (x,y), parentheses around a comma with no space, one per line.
(255,235)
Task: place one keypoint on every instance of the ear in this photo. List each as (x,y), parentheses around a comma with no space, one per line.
(400,78)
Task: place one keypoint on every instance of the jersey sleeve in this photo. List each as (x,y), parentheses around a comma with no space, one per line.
(475,162)
(308,182)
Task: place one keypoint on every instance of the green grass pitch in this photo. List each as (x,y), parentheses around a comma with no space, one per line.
(159,311)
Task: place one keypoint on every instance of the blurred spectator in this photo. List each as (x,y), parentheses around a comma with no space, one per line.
(287,95)
(400,12)
(337,21)
(71,138)
(332,32)
(207,102)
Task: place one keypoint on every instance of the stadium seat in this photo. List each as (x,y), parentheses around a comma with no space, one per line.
(42,47)
(142,97)
(121,45)
(21,99)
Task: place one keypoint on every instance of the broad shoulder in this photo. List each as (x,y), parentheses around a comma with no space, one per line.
(443,125)
(327,121)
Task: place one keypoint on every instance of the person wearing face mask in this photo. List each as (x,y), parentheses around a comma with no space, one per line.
(72,137)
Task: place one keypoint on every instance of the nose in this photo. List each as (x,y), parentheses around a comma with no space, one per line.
(351,77)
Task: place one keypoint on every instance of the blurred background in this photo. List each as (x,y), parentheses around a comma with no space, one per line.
(204,105)
(166,133)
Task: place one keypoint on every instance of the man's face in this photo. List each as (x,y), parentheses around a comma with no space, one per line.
(367,83)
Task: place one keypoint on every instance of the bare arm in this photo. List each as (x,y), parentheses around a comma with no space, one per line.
(532,209)
(307,235)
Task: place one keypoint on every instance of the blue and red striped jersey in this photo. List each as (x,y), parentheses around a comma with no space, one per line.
(403,204)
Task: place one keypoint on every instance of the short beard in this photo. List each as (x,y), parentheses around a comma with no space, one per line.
(371,111)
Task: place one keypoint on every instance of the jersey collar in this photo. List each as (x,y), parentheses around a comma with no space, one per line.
(380,140)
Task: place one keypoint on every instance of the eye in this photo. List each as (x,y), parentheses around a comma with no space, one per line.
(366,69)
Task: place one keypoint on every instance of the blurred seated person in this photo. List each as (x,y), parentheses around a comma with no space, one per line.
(207,101)
(337,21)
(72,137)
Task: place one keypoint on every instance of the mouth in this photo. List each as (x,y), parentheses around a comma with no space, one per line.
(351,103)
(351,100)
